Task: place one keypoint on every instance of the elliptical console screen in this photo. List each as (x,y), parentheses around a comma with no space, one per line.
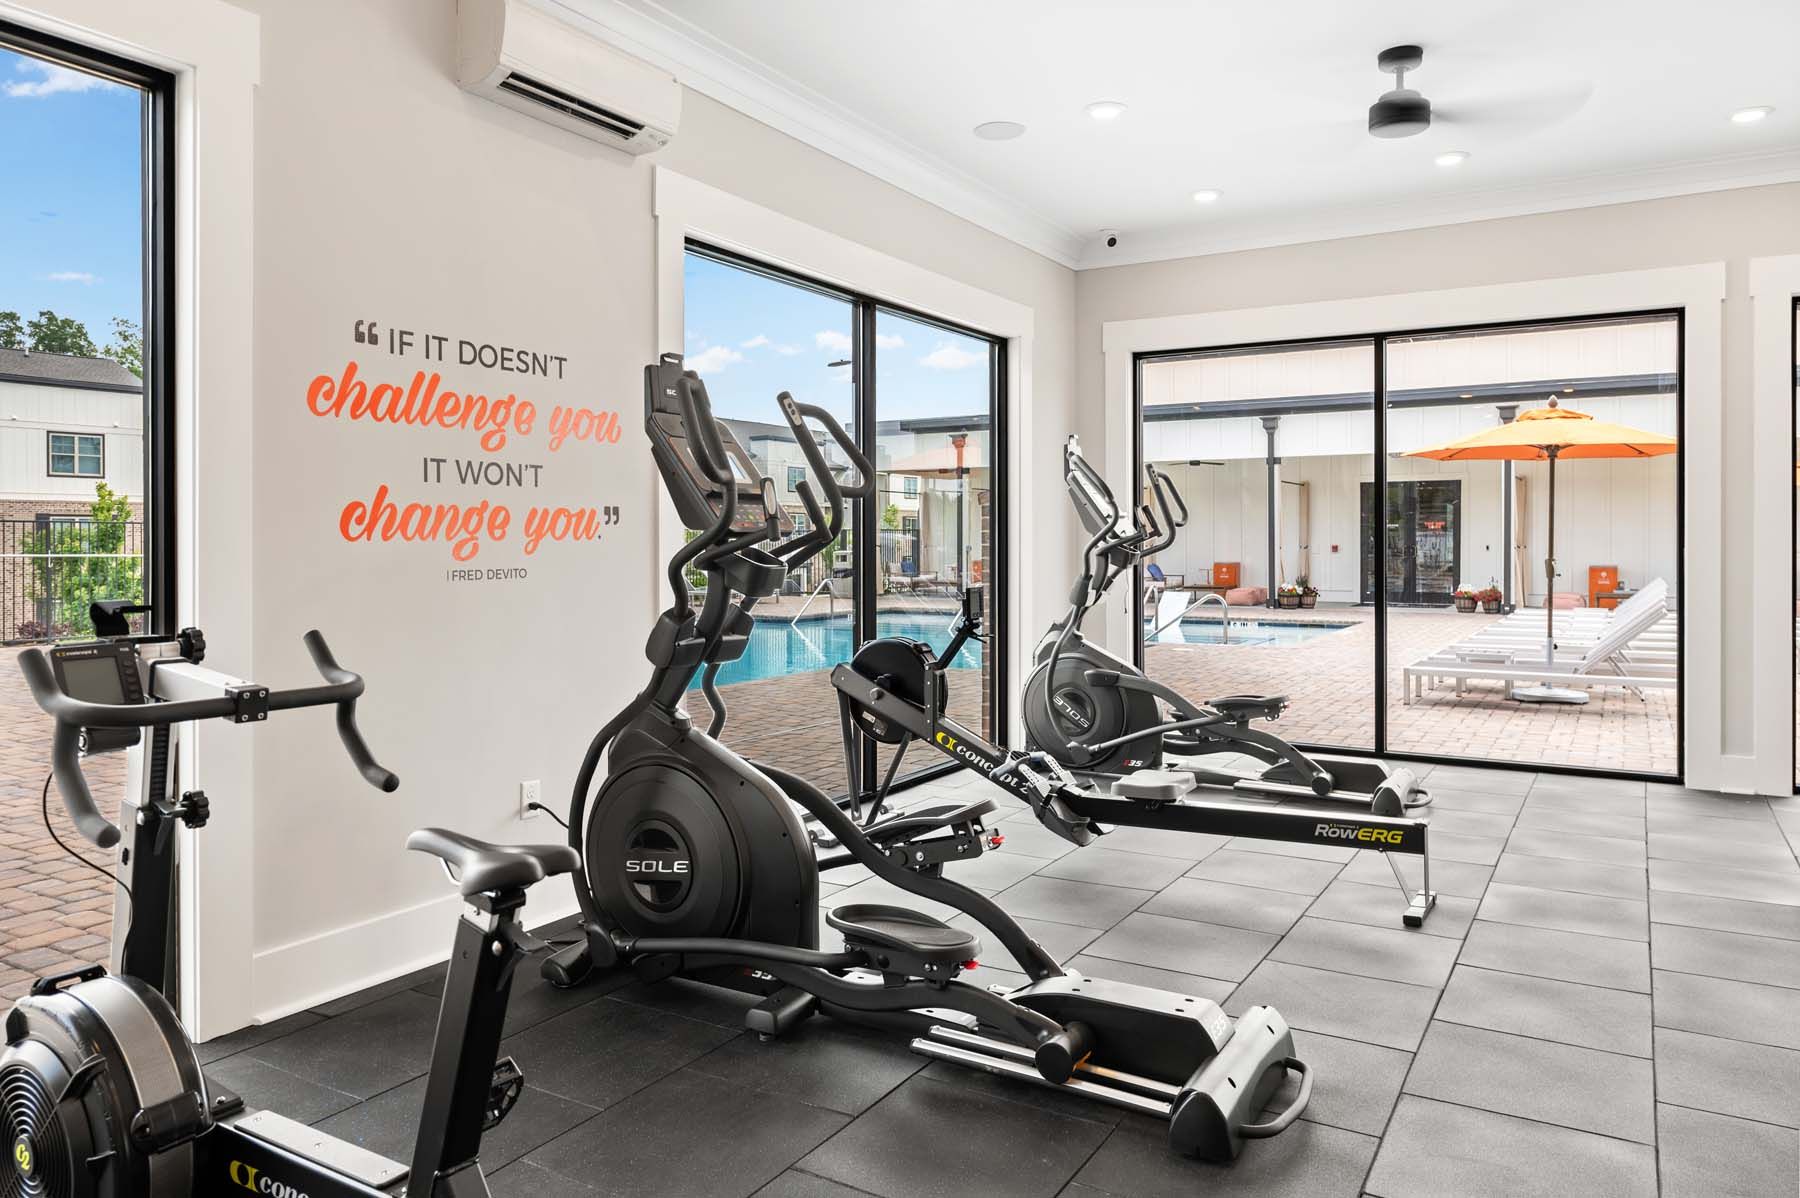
(697,498)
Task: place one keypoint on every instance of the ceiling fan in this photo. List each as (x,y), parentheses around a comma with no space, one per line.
(1404,112)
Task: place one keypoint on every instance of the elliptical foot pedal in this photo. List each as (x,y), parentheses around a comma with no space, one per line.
(900,941)
(1154,786)
(503,1093)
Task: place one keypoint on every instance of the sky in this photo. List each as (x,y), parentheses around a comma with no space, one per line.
(70,204)
(751,337)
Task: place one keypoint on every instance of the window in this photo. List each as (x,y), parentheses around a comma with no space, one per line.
(796,476)
(77,455)
(909,525)
(909,487)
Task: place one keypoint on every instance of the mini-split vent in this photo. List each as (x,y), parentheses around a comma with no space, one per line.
(527,60)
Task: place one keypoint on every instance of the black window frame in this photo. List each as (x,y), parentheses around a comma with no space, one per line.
(158,242)
(50,454)
(1379,401)
(866,517)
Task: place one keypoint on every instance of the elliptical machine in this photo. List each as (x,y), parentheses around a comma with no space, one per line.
(696,864)
(104,1096)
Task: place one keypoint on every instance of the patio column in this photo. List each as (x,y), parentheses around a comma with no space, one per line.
(1273,465)
(1507,413)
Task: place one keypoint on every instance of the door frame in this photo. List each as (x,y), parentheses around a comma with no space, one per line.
(1365,492)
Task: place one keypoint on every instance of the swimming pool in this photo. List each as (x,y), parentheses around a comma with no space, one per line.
(1244,632)
(778,648)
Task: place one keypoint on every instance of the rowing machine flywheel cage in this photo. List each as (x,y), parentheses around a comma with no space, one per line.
(902,667)
(100,1092)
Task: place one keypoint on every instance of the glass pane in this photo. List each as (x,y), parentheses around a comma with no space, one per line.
(1796,595)
(934,398)
(1267,588)
(1479,522)
(751,337)
(71,293)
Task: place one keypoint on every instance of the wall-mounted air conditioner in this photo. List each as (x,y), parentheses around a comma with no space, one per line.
(515,55)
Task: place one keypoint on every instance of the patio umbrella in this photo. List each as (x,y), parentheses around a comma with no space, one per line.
(1546,435)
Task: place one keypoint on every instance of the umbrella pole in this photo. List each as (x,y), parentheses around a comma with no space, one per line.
(1545,693)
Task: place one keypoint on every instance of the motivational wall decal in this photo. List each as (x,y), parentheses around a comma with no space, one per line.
(517,434)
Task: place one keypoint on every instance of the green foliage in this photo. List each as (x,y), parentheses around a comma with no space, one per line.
(695,578)
(127,345)
(12,331)
(53,334)
(890,516)
(77,563)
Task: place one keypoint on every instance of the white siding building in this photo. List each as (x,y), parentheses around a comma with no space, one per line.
(66,424)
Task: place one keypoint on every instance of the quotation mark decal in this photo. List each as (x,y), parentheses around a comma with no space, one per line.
(609,514)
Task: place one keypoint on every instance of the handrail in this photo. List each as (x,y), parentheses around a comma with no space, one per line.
(1224,616)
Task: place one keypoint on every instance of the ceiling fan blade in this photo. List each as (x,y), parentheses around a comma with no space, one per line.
(1515,113)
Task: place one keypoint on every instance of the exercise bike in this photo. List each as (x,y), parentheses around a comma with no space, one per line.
(104,1096)
(696,864)
(1103,720)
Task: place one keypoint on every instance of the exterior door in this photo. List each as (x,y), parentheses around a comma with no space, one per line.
(1422,549)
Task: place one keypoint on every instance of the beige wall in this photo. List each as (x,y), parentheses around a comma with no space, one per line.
(1730,226)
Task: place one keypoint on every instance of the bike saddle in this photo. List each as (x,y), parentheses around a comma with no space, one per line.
(1267,706)
(479,866)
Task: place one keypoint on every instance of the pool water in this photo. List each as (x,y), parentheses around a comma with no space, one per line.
(1243,632)
(778,648)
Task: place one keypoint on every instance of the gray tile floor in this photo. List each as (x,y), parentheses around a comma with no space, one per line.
(1607,1001)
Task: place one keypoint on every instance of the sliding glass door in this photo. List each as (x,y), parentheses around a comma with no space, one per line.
(922,400)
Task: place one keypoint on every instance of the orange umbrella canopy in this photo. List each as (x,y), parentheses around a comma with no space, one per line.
(1533,435)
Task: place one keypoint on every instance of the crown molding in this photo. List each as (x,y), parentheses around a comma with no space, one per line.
(712,68)
(1586,191)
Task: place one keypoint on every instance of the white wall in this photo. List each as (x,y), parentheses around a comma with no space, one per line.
(29,413)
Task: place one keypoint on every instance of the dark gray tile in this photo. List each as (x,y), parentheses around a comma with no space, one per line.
(1714,1156)
(647,1144)
(1439,1150)
(1369,1010)
(1563,1012)
(1060,940)
(220,1047)
(1447,877)
(371,1049)
(1447,798)
(822,1062)
(995,869)
(1287,848)
(795,1184)
(707,1004)
(1116,867)
(604,1051)
(1565,956)
(1718,881)
(1469,823)
(430,978)
(1566,912)
(1710,829)
(1771,854)
(1663,798)
(1355,1085)
(1028,838)
(1470,850)
(1580,1088)
(1607,850)
(1471,777)
(1070,1104)
(1580,823)
(1252,907)
(1184,946)
(534,1000)
(522,1179)
(1724,955)
(1383,906)
(1309,1160)
(931,1138)
(1727,915)
(1729,1077)
(1734,1010)
(1162,842)
(883,892)
(1296,875)
(1396,954)
(1584,790)
(388,1124)
(264,1087)
(1059,900)
(1156,979)
(1579,877)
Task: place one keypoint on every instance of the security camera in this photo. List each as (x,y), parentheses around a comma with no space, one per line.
(1111,236)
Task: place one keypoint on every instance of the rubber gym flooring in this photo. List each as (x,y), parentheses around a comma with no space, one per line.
(1606,1001)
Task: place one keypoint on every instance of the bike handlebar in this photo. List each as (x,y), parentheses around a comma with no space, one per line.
(342,688)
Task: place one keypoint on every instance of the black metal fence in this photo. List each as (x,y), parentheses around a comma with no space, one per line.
(52,567)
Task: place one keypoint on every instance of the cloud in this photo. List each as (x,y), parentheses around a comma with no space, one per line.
(952,357)
(51,80)
(72,276)
(756,342)
(787,351)
(889,341)
(714,359)
(832,341)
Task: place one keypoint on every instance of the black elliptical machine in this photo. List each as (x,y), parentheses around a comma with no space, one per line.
(1102,719)
(697,864)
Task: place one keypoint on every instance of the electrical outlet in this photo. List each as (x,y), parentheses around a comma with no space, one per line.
(529,793)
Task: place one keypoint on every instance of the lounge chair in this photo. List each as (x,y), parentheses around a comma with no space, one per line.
(1611,659)
(1527,626)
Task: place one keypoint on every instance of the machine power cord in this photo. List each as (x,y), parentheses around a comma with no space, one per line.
(130,903)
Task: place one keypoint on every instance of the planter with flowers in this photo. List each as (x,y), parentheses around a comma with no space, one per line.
(1467,598)
(1490,599)
(1309,594)
(1287,596)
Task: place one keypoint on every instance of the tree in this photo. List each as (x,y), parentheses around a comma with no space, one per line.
(12,331)
(53,334)
(127,346)
(76,563)
(890,516)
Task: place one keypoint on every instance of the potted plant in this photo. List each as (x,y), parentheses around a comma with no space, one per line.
(1490,599)
(1287,595)
(1309,594)
(1466,597)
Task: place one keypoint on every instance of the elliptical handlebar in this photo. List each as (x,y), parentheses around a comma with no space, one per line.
(342,688)
(709,451)
(1162,534)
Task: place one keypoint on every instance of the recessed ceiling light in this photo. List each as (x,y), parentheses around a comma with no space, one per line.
(999,130)
(1452,158)
(1749,116)
(1106,110)
(1207,195)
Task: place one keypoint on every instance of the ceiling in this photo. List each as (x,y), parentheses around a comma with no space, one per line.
(1559,105)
